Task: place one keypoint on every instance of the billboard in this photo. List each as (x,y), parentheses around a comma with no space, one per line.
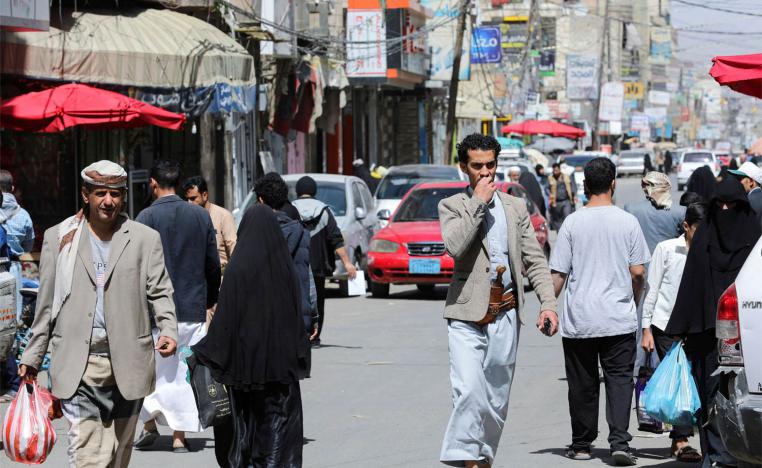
(442,42)
(611,102)
(581,77)
(366,43)
(661,45)
(485,45)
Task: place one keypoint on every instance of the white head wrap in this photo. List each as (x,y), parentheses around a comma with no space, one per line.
(105,174)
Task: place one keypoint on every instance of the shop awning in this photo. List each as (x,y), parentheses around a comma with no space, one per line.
(742,73)
(155,49)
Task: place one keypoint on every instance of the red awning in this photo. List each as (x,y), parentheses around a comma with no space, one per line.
(544,127)
(69,105)
(742,73)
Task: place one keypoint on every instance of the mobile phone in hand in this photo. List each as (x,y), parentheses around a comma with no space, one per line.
(546,326)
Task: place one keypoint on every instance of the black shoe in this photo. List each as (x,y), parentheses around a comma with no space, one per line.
(623,458)
(146,439)
(184,449)
(316,343)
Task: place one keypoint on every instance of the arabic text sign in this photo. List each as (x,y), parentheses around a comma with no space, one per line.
(441,42)
(612,102)
(634,90)
(366,43)
(485,45)
(581,77)
(659,98)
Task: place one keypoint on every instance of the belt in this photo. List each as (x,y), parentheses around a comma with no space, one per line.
(507,302)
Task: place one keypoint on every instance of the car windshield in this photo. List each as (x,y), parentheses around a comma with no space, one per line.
(396,185)
(332,194)
(578,160)
(698,158)
(422,204)
(632,155)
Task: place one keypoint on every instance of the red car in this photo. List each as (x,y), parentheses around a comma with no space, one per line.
(410,249)
(539,223)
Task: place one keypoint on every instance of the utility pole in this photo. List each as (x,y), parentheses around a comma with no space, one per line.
(604,45)
(453,95)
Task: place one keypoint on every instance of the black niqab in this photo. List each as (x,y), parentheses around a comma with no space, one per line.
(702,182)
(257,336)
(718,251)
(529,182)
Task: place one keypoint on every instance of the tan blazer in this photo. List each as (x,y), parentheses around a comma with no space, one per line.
(137,288)
(461,218)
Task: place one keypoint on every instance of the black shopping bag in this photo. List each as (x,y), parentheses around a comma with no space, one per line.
(646,423)
(211,397)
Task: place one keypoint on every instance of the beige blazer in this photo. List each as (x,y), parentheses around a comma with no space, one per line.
(137,288)
(461,218)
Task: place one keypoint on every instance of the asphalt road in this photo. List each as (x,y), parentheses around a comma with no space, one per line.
(380,393)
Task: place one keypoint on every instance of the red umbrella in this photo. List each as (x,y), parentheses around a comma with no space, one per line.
(742,73)
(544,127)
(74,104)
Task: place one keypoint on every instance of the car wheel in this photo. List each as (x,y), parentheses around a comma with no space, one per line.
(379,290)
(426,288)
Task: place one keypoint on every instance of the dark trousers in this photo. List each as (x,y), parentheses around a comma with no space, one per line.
(559,213)
(701,351)
(320,290)
(663,343)
(617,357)
(9,377)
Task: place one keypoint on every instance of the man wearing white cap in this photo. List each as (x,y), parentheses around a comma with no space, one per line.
(514,172)
(750,176)
(102,283)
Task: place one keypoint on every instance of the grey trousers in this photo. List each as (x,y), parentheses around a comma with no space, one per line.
(559,213)
(482,362)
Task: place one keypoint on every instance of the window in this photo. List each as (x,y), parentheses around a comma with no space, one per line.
(357,196)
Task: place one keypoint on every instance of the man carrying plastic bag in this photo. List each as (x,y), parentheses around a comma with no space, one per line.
(28,435)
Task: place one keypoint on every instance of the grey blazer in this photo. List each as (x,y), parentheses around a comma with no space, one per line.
(137,288)
(461,219)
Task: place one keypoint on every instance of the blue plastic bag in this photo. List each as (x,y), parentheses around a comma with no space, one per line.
(671,395)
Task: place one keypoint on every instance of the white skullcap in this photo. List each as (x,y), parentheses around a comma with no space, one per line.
(105,174)
(514,169)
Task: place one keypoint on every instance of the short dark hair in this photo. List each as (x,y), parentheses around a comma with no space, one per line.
(599,174)
(166,173)
(272,189)
(556,165)
(6,181)
(476,141)
(695,213)
(538,168)
(195,181)
(689,198)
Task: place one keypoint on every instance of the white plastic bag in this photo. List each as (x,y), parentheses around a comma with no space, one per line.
(28,434)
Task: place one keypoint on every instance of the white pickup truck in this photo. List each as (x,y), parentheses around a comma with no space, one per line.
(739,331)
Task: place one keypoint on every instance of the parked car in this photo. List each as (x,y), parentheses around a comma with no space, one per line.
(351,203)
(410,249)
(739,331)
(539,223)
(400,179)
(692,160)
(633,162)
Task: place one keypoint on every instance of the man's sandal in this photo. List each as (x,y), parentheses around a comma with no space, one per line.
(688,454)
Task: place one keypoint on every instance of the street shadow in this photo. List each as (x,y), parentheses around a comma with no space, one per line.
(307,440)
(164,444)
(604,455)
(335,346)
(438,293)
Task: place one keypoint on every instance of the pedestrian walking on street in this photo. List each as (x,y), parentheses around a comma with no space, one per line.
(750,176)
(702,182)
(541,177)
(664,274)
(256,346)
(720,246)
(658,217)
(491,238)
(190,253)
(102,282)
(533,188)
(562,196)
(326,241)
(19,231)
(600,255)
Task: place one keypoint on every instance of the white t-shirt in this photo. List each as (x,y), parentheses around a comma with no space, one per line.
(595,248)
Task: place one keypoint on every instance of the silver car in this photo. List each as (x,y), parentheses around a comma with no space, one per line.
(632,162)
(351,203)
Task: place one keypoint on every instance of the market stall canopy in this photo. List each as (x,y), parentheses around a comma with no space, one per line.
(152,50)
(512,143)
(550,144)
(742,73)
(543,127)
(71,105)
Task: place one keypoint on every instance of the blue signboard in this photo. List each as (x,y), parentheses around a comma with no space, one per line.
(485,45)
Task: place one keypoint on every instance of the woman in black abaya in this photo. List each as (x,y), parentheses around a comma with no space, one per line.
(718,251)
(702,182)
(256,346)
(529,182)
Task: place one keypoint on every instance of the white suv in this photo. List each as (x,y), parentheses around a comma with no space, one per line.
(692,160)
(739,331)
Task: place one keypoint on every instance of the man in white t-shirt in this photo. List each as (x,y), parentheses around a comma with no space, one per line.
(600,255)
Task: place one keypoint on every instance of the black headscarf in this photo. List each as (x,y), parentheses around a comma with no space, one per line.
(529,182)
(718,251)
(702,182)
(257,335)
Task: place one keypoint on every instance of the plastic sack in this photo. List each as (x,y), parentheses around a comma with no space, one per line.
(671,395)
(27,433)
(646,423)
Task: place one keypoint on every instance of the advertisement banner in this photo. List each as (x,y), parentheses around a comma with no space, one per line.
(547,63)
(581,77)
(611,102)
(638,121)
(661,45)
(657,115)
(441,42)
(485,45)
(634,90)
(366,43)
(660,98)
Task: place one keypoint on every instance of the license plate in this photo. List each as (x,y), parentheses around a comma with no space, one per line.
(424,266)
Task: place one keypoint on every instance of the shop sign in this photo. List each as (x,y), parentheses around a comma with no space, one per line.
(441,42)
(657,115)
(661,45)
(366,44)
(612,102)
(547,63)
(660,98)
(485,45)
(634,90)
(581,77)
(639,121)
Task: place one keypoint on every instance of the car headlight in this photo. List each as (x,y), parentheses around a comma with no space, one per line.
(383,246)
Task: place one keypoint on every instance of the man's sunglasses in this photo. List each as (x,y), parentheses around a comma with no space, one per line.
(477,166)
